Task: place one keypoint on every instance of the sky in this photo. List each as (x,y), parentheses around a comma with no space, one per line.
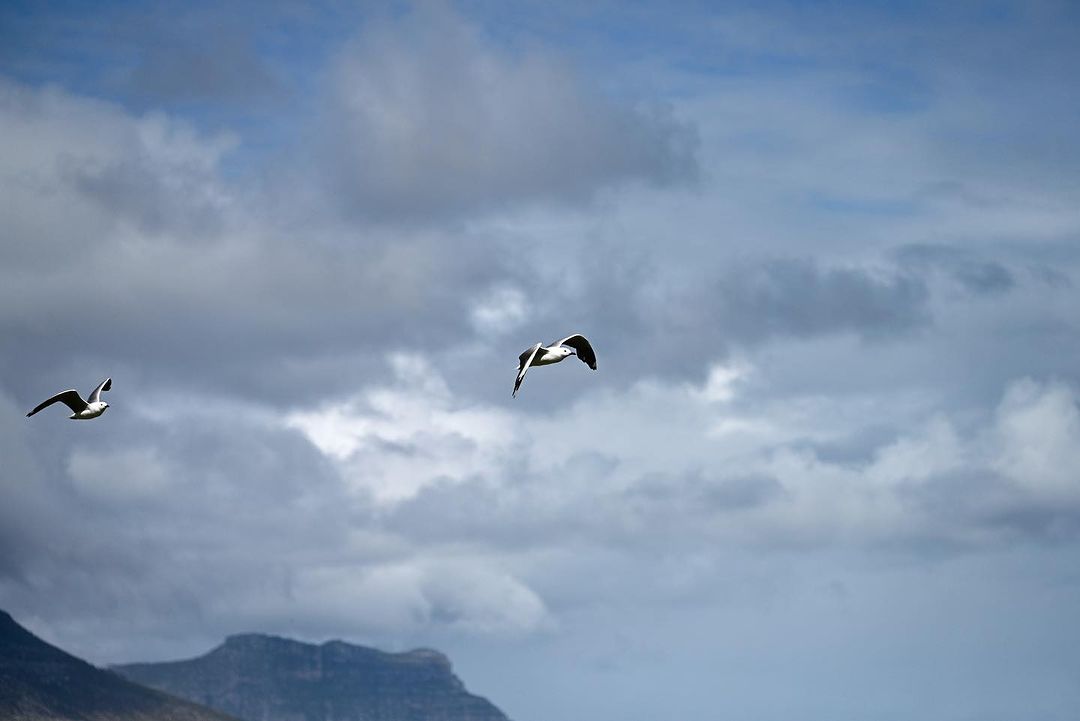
(828,254)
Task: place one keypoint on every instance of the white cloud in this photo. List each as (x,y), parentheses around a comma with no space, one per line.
(474,598)
(393,441)
(501,310)
(935,450)
(1035,440)
(723,380)
(405,597)
(699,462)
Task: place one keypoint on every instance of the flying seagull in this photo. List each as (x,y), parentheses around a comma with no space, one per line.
(80,409)
(542,355)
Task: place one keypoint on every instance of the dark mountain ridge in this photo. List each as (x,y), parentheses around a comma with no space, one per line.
(39,682)
(257,677)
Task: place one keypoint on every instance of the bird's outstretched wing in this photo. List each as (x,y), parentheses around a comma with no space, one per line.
(582,347)
(524,361)
(104,386)
(69,398)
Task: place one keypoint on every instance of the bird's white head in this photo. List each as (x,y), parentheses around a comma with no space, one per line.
(566,351)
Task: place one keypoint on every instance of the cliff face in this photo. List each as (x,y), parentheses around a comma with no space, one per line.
(39,682)
(266,678)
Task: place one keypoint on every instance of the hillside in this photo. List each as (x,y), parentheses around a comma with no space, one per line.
(266,678)
(39,682)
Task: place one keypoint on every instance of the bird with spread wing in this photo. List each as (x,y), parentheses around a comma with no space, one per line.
(542,355)
(80,409)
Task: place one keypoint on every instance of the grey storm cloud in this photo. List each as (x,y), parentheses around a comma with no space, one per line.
(675,510)
(701,493)
(799,297)
(976,508)
(135,191)
(691,321)
(192,274)
(429,118)
(981,276)
(199,274)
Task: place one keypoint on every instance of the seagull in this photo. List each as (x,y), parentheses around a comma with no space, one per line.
(542,355)
(80,409)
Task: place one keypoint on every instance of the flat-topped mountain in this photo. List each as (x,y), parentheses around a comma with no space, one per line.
(39,682)
(267,678)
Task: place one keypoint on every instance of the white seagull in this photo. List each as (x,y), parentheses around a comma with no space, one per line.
(80,409)
(542,355)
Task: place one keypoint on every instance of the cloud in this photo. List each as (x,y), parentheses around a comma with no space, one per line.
(146,513)
(687,321)
(800,297)
(79,173)
(120,475)
(1037,435)
(32,510)
(722,380)
(166,183)
(430,118)
(393,441)
(459,595)
(193,276)
(942,488)
(747,473)
(975,275)
(503,309)
(476,599)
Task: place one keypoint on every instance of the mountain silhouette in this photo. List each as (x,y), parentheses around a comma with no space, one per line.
(257,677)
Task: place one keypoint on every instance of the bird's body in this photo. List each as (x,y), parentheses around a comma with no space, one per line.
(548,355)
(80,410)
(92,410)
(557,351)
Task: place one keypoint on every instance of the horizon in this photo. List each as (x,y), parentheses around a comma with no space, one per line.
(827,253)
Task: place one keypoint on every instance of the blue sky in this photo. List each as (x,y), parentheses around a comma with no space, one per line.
(828,256)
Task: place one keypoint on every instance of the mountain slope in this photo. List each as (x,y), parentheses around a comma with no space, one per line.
(39,682)
(267,678)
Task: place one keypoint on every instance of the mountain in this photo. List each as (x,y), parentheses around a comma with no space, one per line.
(39,682)
(267,678)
